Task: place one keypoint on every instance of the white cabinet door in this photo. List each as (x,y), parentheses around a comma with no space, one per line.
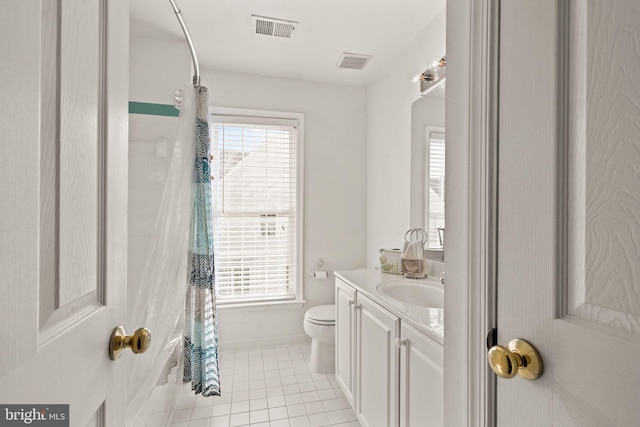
(421,380)
(63,201)
(345,338)
(376,365)
(569,204)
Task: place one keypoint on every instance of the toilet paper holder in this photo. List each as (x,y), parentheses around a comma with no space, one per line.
(320,270)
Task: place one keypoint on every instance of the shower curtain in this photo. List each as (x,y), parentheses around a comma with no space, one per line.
(201,329)
(180,241)
(156,299)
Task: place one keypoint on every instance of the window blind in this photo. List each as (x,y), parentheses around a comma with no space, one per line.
(434,167)
(254,170)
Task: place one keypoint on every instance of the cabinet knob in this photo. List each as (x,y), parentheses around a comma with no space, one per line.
(358,306)
(351,302)
(400,343)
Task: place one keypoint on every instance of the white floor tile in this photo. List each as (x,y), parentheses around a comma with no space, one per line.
(256,404)
(292,379)
(327,394)
(220,421)
(275,401)
(296,410)
(222,409)
(302,369)
(181,415)
(299,422)
(201,412)
(331,405)
(280,423)
(238,396)
(273,381)
(314,407)
(292,399)
(310,396)
(239,419)
(336,417)
(258,416)
(323,385)
(274,391)
(259,393)
(351,416)
(203,422)
(185,403)
(240,386)
(291,388)
(304,378)
(237,407)
(304,387)
(271,387)
(225,398)
(318,420)
(204,401)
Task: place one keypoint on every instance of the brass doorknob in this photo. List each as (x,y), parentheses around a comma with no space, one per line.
(139,342)
(519,358)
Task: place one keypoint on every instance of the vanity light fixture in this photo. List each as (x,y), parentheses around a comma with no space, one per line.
(432,77)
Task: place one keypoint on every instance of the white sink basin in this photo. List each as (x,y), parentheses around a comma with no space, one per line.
(419,294)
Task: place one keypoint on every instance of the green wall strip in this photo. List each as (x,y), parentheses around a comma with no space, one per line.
(153,109)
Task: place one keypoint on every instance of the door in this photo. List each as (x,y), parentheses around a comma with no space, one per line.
(376,365)
(345,337)
(63,195)
(568,209)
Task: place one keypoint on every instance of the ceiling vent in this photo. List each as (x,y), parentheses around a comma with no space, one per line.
(273,27)
(353,61)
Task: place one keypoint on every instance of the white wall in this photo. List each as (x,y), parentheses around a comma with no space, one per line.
(334,171)
(389,101)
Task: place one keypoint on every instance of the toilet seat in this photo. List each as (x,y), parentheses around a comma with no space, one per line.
(323,315)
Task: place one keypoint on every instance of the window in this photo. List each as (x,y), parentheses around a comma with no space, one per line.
(434,199)
(256,202)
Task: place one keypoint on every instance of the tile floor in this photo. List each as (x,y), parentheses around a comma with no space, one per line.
(269,387)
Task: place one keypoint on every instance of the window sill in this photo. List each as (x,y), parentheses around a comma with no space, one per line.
(261,305)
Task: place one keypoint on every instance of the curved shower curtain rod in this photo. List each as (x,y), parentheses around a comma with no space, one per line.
(194,58)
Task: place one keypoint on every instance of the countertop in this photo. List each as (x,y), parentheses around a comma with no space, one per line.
(429,320)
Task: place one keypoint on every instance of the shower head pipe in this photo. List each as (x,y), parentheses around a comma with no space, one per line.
(185,30)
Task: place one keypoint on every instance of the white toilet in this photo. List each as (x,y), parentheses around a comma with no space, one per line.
(320,325)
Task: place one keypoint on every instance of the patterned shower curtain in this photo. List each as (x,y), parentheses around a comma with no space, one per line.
(201,325)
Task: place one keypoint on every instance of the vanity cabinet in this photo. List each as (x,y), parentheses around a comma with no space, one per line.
(391,373)
(376,364)
(345,338)
(421,379)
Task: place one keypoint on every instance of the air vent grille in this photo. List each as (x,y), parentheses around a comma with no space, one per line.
(353,61)
(273,27)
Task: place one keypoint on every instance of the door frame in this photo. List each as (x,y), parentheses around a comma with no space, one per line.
(471,206)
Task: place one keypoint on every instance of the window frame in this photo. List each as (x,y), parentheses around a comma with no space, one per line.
(264,117)
(430,130)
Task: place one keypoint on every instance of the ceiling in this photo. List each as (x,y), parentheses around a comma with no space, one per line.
(222,34)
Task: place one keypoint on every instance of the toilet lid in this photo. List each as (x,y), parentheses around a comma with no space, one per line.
(322,314)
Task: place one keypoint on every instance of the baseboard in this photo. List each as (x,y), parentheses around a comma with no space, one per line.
(264,343)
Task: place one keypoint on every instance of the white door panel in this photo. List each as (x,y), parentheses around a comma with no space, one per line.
(376,364)
(345,338)
(569,203)
(63,195)
(421,380)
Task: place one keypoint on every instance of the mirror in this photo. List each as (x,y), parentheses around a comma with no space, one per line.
(427,171)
